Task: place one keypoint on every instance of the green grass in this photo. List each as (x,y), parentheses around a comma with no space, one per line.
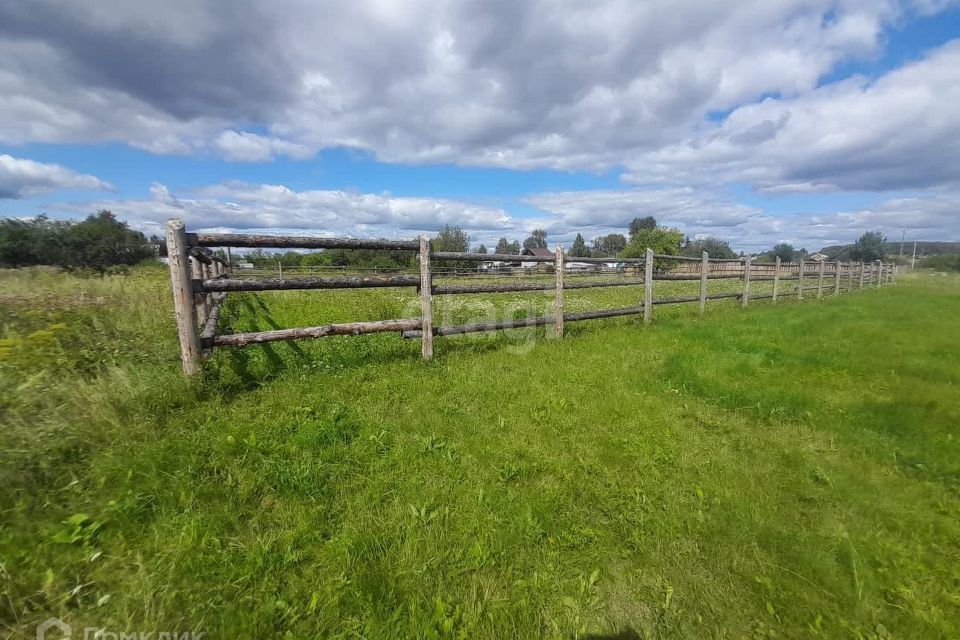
(788,471)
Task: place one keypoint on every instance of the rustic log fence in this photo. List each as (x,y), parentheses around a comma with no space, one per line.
(201,281)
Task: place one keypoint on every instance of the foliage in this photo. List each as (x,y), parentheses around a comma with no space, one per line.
(785,252)
(869,247)
(507,247)
(451,239)
(515,487)
(98,243)
(609,245)
(661,240)
(537,240)
(946,262)
(716,247)
(639,224)
(481,249)
(579,248)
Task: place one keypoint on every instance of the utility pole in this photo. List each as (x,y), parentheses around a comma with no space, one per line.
(913,261)
(903,235)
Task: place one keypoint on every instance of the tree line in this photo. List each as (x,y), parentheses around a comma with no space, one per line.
(98,242)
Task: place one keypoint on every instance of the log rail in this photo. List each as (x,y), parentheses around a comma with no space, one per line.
(201,280)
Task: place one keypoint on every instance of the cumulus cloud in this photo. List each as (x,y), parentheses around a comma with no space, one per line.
(267,207)
(20,178)
(271,208)
(566,85)
(901,131)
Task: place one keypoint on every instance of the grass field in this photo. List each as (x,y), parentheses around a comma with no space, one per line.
(788,471)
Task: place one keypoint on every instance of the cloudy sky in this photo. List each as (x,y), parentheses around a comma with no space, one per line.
(807,121)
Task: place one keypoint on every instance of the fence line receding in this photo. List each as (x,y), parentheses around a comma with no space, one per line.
(201,281)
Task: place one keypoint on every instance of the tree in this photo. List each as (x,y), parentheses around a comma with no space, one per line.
(537,240)
(504,246)
(579,248)
(639,224)
(869,247)
(609,245)
(784,251)
(714,246)
(481,249)
(661,240)
(451,239)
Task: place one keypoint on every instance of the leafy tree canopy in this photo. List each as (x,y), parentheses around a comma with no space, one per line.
(714,246)
(661,240)
(609,245)
(537,240)
(579,248)
(869,247)
(639,224)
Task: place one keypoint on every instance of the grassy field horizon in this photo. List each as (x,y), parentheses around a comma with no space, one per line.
(785,471)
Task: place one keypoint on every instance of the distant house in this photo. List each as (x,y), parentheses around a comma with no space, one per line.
(244,265)
(818,257)
(540,252)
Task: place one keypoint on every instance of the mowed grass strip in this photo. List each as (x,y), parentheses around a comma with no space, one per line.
(783,471)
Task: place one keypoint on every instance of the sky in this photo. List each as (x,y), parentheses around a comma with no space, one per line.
(801,121)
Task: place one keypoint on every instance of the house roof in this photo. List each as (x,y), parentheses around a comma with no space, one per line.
(543,252)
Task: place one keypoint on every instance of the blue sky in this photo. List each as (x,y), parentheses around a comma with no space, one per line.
(807,122)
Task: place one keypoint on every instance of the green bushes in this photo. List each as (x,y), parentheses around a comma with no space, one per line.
(98,243)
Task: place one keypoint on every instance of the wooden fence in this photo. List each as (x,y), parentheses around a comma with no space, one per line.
(201,280)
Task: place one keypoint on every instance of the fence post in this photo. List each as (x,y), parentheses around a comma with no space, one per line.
(648,287)
(849,276)
(879,273)
(836,278)
(745,300)
(776,278)
(200,309)
(229,268)
(183,297)
(704,269)
(426,300)
(820,280)
(558,296)
(800,279)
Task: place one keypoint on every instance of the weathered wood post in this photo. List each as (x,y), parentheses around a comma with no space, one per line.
(820,280)
(879,273)
(229,262)
(800,279)
(704,270)
(183,297)
(849,276)
(861,275)
(776,278)
(648,287)
(200,308)
(426,300)
(745,300)
(836,278)
(558,295)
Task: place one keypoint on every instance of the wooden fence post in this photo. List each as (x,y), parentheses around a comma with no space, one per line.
(745,300)
(836,278)
(229,262)
(879,273)
(558,296)
(648,287)
(820,280)
(861,275)
(776,278)
(200,309)
(183,297)
(704,270)
(800,279)
(849,276)
(426,300)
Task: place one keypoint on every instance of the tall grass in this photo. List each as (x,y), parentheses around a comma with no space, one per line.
(786,471)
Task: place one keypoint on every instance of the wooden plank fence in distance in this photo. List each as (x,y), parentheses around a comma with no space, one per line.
(200,281)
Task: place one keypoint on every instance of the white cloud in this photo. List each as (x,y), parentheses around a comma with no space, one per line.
(20,178)
(516,84)
(901,131)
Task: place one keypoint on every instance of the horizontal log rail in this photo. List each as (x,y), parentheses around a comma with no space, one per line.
(201,281)
(345,329)
(257,241)
(285,284)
